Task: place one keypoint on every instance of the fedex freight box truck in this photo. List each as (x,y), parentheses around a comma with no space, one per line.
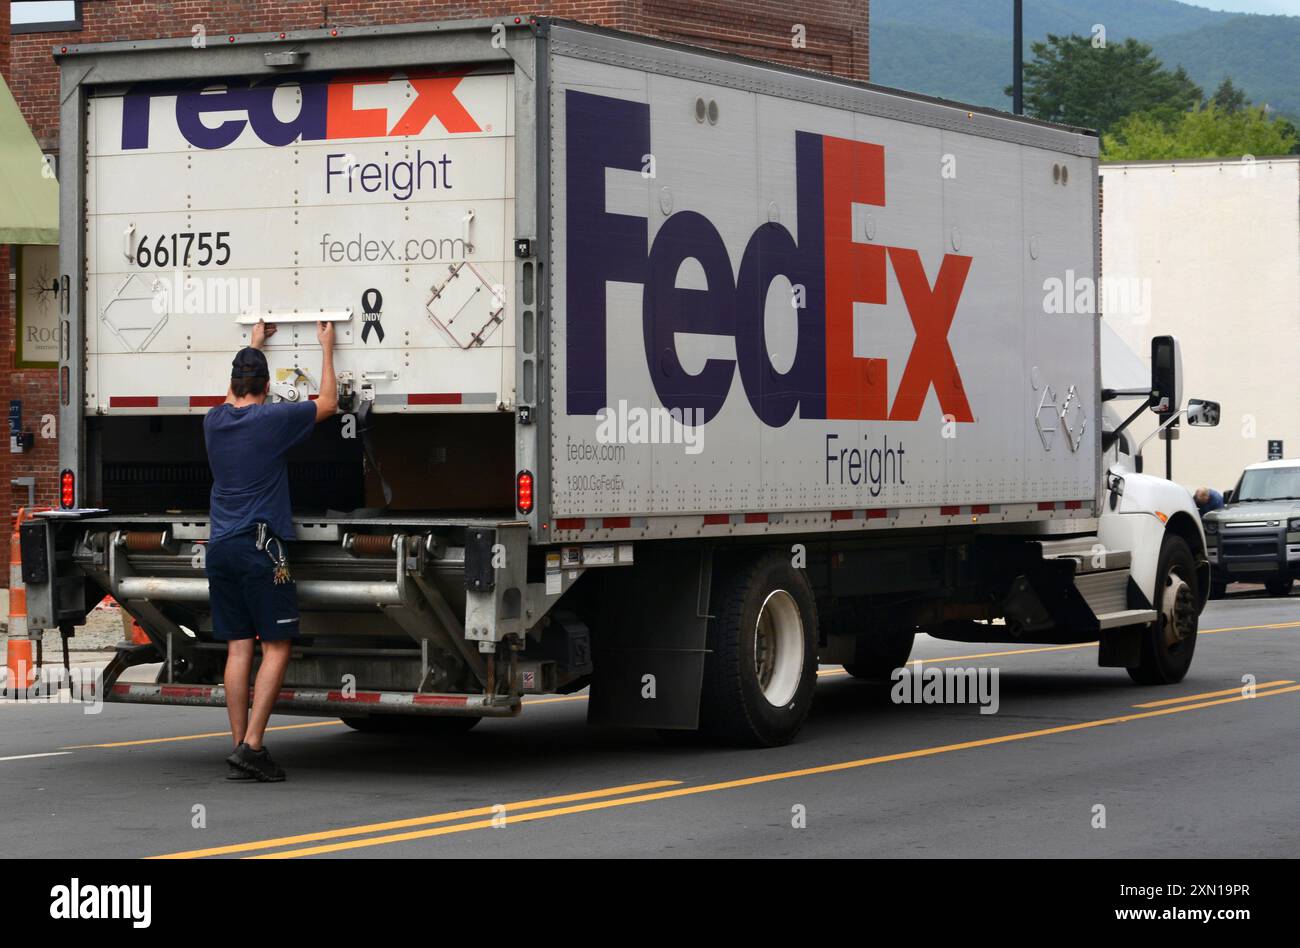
(665,373)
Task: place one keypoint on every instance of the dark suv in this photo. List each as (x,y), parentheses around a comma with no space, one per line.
(1255,538)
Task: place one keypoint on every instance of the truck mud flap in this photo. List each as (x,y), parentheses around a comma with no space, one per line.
(648,641)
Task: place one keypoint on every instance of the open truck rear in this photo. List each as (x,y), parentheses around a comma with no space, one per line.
(664,372)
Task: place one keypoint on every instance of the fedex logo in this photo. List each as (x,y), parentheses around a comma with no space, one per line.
(826,380)
(328,109)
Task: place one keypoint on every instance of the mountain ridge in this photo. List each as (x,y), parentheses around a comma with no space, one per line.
(972,41)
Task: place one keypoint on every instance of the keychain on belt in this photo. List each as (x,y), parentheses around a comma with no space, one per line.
(278,558)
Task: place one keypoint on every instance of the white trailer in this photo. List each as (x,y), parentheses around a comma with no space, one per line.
(658,365)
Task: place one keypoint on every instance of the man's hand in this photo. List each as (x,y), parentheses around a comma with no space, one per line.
(325,334)
(262,332)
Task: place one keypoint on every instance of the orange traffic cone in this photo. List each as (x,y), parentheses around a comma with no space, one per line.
(135,633)
(18,657)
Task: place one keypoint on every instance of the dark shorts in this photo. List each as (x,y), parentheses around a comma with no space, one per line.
(246,600)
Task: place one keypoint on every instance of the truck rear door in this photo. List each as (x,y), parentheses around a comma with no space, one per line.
(380,201)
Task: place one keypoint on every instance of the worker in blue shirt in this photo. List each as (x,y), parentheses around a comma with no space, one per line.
(250,588)
(1207,499)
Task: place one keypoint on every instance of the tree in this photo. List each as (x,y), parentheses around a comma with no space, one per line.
(1228,97)
(1208,132)
(1074,82)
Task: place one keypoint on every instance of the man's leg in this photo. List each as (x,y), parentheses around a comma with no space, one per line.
(270,676)
(239,664)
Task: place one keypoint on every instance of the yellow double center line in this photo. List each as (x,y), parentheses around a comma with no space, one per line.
(508,815)
(1241,690)
(498,812)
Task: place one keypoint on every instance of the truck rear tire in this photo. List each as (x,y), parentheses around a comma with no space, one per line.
(1279,587)
(761,668)
(876,657)
(411,724)
(1169,643)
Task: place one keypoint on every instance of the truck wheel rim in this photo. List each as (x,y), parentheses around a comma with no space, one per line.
(1178,611)
(778,648)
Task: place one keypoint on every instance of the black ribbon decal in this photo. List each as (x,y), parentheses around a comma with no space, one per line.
(372,304)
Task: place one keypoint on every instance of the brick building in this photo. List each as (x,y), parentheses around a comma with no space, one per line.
(832,36)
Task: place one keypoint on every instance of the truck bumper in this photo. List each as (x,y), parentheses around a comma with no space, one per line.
(323,702)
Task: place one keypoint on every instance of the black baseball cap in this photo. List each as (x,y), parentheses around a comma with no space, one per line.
(249,363)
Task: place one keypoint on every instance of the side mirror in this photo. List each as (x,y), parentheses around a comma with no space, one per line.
(1166,375)
(1202,413)
(1228,495)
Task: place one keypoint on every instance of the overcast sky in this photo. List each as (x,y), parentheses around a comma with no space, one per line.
(1290,7)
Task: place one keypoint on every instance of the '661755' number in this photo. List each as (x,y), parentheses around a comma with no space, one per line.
(179,250)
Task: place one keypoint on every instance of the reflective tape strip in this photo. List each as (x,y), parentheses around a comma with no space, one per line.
(306,697)
(208,401)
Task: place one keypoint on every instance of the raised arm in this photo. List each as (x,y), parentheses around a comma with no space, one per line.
(327,403)
(261,333)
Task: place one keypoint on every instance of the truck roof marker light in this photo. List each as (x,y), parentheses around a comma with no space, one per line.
(230,38)
(67,489)
(524,492)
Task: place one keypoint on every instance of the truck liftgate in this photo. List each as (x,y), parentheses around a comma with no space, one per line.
(398,618)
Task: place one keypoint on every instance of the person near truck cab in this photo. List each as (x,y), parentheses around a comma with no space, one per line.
(250,586)
(1207,499)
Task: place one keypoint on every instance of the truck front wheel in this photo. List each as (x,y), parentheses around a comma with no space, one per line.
(1169,643)
(761,667)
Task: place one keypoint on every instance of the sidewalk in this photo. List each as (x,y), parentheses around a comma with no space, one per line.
(93,641)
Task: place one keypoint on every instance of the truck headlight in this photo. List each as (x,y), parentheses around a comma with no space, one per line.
(1210,527)
(1294,524)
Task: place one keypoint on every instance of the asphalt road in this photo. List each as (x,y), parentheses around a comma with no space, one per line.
(1206,773)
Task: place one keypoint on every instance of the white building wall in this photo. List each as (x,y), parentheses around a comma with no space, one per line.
(1216,244)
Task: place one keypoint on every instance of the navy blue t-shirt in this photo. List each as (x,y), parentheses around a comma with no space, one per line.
(250,480)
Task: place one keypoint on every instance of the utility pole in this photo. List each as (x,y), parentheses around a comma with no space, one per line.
(1018,60)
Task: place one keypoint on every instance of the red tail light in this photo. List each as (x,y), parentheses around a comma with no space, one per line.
(67,489)
(524,492)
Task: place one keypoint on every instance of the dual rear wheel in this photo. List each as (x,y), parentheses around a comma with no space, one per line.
(761,666)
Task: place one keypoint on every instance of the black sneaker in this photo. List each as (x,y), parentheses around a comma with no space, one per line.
(257,764)
(237,774)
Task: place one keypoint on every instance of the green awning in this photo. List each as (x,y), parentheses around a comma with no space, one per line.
(29,194)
